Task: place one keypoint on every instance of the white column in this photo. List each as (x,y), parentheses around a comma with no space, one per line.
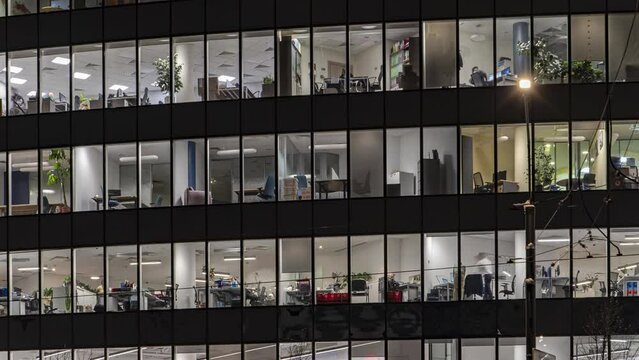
(521,156)
(520,265)
(185,58)
(185,272)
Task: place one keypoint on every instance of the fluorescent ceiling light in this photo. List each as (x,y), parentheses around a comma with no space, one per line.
(125,159)
(48,191)
(627,267)
(116,87)
(13,69)
(585,152)
(200,280)
(584,283)
(631,237)
(237,258)
(32,268)
(17,81)
(506,273)
(629,243)
(236,151)
(330,146)
(31,93)
(81,75)
(94,278)
(146,263)
(504,138)
(551,240)
(564,138)
(27,164)
(61,60)
(369,27)
(225,78)
(56,353)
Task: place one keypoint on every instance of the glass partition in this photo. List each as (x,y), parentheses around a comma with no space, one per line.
(441,57)
(619,26)
(120,74)
(55,76)
(441,349)
(329,60)
(367,163)
(87,77)
(438,166)
(366,60)
(223,57)
(293,57)
(23,82)
(258,64)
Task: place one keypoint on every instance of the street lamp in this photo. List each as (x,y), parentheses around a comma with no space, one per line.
(524,84)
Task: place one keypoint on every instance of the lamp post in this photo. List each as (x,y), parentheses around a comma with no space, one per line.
(529,213)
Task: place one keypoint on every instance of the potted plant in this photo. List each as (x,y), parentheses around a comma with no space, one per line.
(163,81)
(68,291)
(268,86)
(544,170)
(59,173)
(361,276)
(547,65)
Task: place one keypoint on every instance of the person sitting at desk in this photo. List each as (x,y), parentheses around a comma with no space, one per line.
(478,78)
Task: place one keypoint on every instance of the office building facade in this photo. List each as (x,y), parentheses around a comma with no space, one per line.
(327,179)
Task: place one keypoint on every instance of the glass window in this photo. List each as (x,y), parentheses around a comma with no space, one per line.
(55,181)
(403,264)
(227,352)
(512,348)
(224,170)
(367,269)
(259,168)
(120,74)
(402,162)
(55,75)
(477,159)
(56,285)
(150,353)
(189,173)
(552,154)
(3,82)
(88,275)
(404,349)
(549,50)
(367,163)
(330,150)
(88,178)
(122,276)
(82,4)
(478,349)
(56,354)
(373,350)
(188,69)
(296,351)
(295,286)
(121,177)
(223,66)
(24,267)
(439,161)
(624,150)
(4,284)
(189,270)
(559,347)
(588,48)
(624,259)
(188,352)
(329,60)
(366,58)
(334,350)
(87,77)
(513,62)
(23,82)
(260,351)
(331,270)
(478,265)
(440,267)
(553,264)
(224,274)
(440,349)
(155,277)
(47,6)
(441,57)
(476,53)
(25,355)
(294,55)
(155,174)
(294,166)
(131,353)
(258,66)
(154,74)
(589,153)
(118,2)
(619,26)
(22,7)
(589,256)
(3,7)
(511,266)
(3,182)
(259,272)
(23,182)
(402,56)
(512,159)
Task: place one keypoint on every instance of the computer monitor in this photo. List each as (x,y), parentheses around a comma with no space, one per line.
(62,98)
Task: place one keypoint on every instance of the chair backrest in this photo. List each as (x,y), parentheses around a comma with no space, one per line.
(478,180)
(589,178)
(269,186)
(302,182)
(45,205)
(194,197)
(359,285)
(512,284)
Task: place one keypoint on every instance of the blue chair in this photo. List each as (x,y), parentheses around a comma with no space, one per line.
(302,184)
(268,191)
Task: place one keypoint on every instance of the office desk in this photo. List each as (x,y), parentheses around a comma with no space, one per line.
(507,186)
(296,297)
(20,209)
(355,81)
(441,292)
(226,296)
(122,101)
(330,297)
(128,299)
(331,186)
(552,287)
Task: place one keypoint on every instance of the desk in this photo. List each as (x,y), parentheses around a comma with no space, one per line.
(20,209)
(359,84)
(248,192)
(553,287)
(441,292)
(296,297)
(124,199)
(507,186)
(122,101)
(331,186)
(226,296)
(127,298)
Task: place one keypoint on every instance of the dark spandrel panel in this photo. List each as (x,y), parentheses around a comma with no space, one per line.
(24,32)
(54,29)
(441,319)
(157,327)
(257,14)
(367,321)
(404,320)
(122,329)
(189,223)
(512,317)
(155,225)
(553,316)
(88,228)
(57,329)
(295,323)
(120,22)
(24,332)
(224,334)
(331,322)
(189,325)
(153,19)
(88,330)
(293,13)
(121,226)
(478,318)
(55,230)
(188,16)
(329,12)
(260,324)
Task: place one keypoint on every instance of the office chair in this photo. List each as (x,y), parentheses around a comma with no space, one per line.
(46,207)
(473,286)
(588,181)
(480,186)
(145,99)
(268,191)
(302,184)
(359,287)
(508,293)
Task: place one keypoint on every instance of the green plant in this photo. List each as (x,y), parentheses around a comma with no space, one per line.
(547,65)
(544,170)
(60,171)
(361,276)
(583,71)
(67,292)
(339,281)
(47,293)
(267,80)
(163,68)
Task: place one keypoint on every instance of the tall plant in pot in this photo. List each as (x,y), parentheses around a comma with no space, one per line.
(544,169)
(59,172)
(163,69)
